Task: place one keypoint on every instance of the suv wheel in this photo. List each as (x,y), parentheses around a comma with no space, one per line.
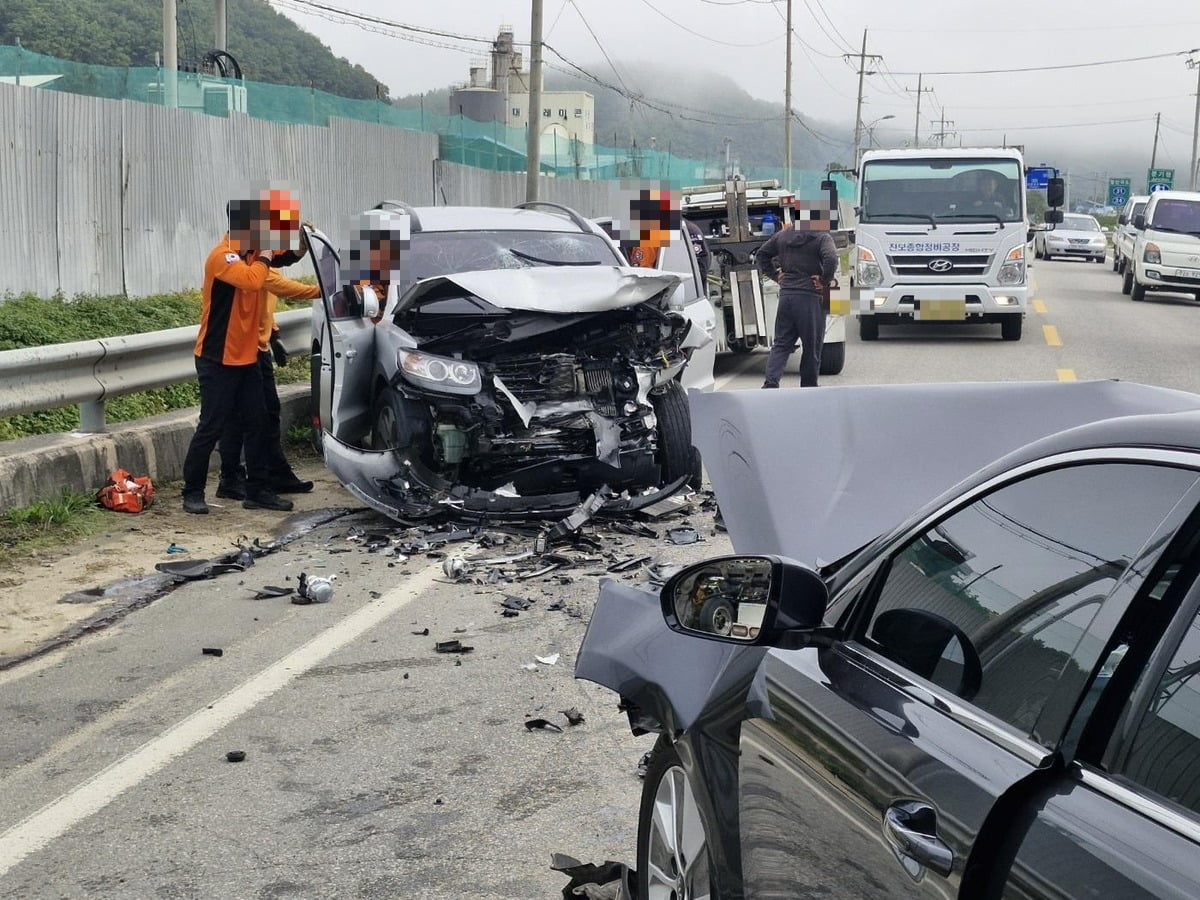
(1127,284)
(1137,291)
(868,329)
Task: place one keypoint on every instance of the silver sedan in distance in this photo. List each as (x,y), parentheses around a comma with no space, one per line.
(1078,236)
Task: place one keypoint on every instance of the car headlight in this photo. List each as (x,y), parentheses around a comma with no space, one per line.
(1098,242)
(869,273)
(439,373)
(1150,254)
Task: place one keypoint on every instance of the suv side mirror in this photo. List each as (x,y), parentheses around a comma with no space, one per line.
(744,599)
(1056,192)
(1052,216)
(1122,219)
(1139,222)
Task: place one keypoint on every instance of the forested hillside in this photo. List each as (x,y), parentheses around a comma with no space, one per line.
(268,46)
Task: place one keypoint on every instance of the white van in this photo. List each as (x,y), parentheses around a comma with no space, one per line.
(1166,251)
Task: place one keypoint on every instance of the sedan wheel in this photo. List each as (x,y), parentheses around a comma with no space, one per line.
(673,857)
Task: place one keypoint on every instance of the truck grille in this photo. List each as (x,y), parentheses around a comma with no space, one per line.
(911,264)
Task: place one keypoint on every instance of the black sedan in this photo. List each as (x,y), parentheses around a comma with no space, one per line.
(997,697)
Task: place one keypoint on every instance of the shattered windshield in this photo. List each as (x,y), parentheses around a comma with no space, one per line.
(935,190)
(433,253)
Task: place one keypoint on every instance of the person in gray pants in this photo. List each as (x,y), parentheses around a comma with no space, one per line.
(803,259)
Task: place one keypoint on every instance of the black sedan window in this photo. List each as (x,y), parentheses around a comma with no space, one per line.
(1164,755)
(994,601)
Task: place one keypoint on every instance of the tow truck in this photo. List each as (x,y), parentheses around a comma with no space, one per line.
(736,219)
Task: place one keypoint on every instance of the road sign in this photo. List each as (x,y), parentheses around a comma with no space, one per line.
(1118,191)
(1038,178)
(1159,180)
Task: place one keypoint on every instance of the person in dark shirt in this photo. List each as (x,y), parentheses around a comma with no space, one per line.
(803,260)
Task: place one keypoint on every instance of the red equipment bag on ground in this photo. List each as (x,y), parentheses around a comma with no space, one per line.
(125,493)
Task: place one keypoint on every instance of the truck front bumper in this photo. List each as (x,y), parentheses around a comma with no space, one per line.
(942,302)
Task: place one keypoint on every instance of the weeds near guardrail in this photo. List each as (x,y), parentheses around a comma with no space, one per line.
(67,515)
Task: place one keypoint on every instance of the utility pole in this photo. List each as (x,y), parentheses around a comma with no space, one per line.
(533,143)
(787,106)
(941,124)
(917,127)
(1193,63)
(862,58)
(1154,149)
(222,30)
(170,55)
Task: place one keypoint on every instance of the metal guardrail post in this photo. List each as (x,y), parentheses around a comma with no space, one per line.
(91,417)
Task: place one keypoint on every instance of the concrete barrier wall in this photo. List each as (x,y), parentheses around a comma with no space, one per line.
(115,196)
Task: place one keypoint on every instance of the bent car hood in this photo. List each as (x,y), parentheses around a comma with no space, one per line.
(553,289)
(816,474)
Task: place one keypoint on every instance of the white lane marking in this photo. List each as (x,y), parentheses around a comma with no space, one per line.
(55,818)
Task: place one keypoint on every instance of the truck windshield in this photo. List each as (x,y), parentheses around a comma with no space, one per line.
(961,190)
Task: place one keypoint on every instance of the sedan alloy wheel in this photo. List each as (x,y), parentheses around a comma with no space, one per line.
(673,857)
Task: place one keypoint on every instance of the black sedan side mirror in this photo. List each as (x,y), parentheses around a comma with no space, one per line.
(744,599)
(1139,222)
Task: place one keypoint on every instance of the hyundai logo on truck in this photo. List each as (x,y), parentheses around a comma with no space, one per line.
(940,265)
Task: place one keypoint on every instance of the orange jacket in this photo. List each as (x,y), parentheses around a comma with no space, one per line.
(232,305)
(278,286)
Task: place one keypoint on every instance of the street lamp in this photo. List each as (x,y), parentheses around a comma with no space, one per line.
(871,129)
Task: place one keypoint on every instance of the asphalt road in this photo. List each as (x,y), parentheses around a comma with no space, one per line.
(374,766)
(1081,327)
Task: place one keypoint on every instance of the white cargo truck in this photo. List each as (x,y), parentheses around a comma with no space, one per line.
(737,217)
(941,237)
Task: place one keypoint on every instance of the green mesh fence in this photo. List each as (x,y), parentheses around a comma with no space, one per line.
(485,145)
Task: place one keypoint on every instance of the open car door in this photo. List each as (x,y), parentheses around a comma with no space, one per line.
(345,339)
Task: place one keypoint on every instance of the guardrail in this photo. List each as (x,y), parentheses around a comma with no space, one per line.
(91,372)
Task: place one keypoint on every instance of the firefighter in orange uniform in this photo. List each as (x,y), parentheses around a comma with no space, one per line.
(234,304)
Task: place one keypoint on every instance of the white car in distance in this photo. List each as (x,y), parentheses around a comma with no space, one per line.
(1078,236)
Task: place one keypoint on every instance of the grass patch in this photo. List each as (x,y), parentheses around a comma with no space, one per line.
(47,522)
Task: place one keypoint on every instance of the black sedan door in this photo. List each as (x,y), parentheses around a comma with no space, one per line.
(891,763)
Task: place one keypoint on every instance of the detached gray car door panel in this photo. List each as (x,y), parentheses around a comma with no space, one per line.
(878,764)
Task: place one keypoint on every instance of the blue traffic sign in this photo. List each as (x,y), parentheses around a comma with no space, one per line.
(1118,191)
(1038,179)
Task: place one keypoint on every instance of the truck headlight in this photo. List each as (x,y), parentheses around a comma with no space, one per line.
(1013,269)
(869,273)
(1151,255)
(439,373)
(1012,273)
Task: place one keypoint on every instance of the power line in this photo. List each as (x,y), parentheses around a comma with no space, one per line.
(844,44)
(705,36)
(1087,65)
(376,20)
(1068,125)
(588,26)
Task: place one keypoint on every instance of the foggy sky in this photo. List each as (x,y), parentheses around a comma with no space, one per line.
(1109,110)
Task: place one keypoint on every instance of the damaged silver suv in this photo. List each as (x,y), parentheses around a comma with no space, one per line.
(517,370)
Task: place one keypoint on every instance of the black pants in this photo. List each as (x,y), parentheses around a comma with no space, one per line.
(233,437)
(227,393)
(798,318)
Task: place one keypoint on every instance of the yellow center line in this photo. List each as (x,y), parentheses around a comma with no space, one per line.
(1039,306)
(1066,374)
(1051,334)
